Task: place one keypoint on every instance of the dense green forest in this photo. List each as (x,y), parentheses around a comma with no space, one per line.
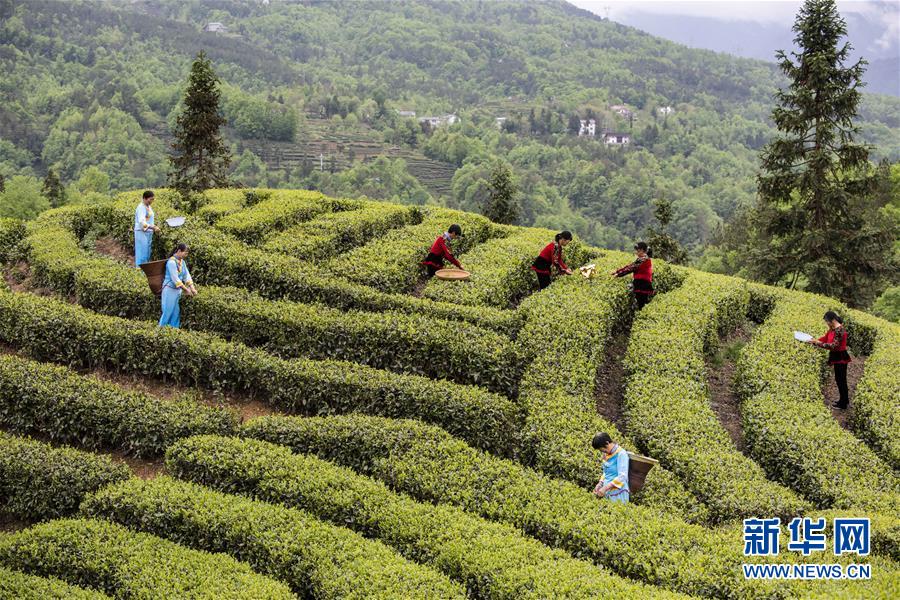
(313,94)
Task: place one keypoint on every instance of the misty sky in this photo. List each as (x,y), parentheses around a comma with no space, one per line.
(759,11)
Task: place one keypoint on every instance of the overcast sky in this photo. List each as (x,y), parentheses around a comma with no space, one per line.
(760,11)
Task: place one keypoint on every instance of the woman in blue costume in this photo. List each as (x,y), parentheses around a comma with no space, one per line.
(143,229)
(613,484)
(177,280)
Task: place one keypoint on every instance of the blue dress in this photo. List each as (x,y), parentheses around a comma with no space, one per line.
(143,233)
(615,470)
(177,277)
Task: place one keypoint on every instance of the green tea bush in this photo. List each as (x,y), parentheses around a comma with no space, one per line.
(73,409)
(280,210)
(567,330)
(876,401)
(125,564)
(790,432)
(399,342)
(636,542)
(392,263)
(19,586)
(427,463)
(12,231)
(667,401)
(334,233)
(501,269)
(38,481)
(314,558)
(492,560)
(51,330)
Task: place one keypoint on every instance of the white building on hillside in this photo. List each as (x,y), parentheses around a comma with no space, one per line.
(215,27)
(588,128)
(440,121)
(407,113)
(611,138)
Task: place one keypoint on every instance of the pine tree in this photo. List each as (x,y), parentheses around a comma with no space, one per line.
(53,189)
(574,124)
(2,183)
(200,158)
(662,244)
(814,220)
(501,206)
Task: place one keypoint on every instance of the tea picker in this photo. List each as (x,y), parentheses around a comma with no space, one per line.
(623,472)
(642,268)
(550,259)
(144,227)
(156,270)
(440,253)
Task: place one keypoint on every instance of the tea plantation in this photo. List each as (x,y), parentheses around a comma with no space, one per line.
(327,424)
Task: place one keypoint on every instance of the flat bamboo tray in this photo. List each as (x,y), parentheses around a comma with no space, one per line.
(452,274)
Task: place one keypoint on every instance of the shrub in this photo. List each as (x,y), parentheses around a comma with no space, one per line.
(73,409)
(568,327)
(12,231)
(493,560)
(125,564)
(392,263)
(314,558)
(667,401)
(334,233)
(52,330)
(38,481)
(790,432)
(633,541)
(281,210)
(501,269)
(876,402)
(19,586)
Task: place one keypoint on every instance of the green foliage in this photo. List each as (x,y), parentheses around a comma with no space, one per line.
(52,330)
(39,482)
(786,424)
(493,560)
(279,210)
(22,198)
(876,400)
(501,205)
(335,233)
(815,209)
(254,117)
(73,409)
(664,245)
(12,231)
(887,305)
(501,269)
(200,157)
(667,403)
(392,262)
(124,564)
(14,584)
(53,190)
(312,557)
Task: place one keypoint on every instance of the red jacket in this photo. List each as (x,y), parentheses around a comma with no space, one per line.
(550,256)
(835,341)
(439,253)
(641,267)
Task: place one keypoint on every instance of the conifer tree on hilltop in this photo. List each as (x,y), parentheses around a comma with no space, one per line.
(200,158)
(53,189)
(815,220)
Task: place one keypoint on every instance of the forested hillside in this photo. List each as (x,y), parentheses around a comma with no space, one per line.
(313,92)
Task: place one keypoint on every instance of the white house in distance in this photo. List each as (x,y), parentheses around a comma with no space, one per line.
(666,110)
(215,27)
(499,121)
(440,121)
(407,113)
(611,138)
(588,128)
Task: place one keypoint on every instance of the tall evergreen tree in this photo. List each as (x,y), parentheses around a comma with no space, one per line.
(501,205)
(815,221)
(665,246)
(200,158)
(2,183)
(53,189)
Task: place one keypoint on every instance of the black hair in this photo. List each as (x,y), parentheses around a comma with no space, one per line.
(148,194)
(643,246)
(833,316)
(455,229)
(179,247)
(600,440)
(563,235)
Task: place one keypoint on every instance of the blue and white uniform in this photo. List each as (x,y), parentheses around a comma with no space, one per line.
(615,470)
(143,233)
(177,278)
